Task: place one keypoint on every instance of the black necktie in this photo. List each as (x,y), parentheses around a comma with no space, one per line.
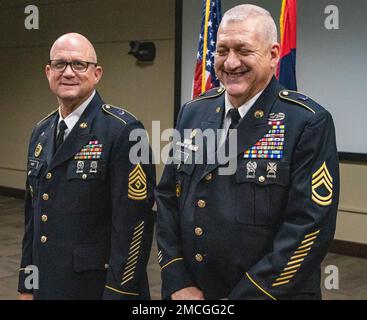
(235,118)
(60,135)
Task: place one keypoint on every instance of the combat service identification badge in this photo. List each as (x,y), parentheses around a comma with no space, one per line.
(322,186)
(137,189)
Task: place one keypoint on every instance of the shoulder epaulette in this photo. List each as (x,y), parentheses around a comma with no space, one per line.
(212,93)
(118,113)
(49,115)
(299,99)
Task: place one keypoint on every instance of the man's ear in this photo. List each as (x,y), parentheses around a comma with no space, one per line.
(275,54)
(47,70)
(98,72)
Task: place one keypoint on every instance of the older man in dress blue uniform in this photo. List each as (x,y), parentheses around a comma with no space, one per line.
(262,231)
(88,217)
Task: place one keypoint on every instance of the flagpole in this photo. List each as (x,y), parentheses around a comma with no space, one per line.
(205,46)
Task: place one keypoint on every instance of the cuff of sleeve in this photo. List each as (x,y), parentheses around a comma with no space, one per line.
(174,277)
(21,282)
(111,293)
(250,288)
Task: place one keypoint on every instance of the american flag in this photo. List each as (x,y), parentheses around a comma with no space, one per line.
(211,16)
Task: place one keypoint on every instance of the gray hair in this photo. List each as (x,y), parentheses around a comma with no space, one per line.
(246,11)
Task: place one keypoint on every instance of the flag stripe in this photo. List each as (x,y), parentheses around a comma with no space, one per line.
(205,46)
(286,72)
(204,75)
(282,20)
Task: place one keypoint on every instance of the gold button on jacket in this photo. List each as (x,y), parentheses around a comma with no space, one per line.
(198,231)
(201,204)
(199,257)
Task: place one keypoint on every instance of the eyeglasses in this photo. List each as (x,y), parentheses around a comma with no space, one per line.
(76,65)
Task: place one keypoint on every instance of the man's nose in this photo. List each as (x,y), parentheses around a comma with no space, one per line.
(232,62)
(68,72)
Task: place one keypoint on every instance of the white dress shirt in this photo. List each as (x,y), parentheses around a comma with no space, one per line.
(242,111)
(74,117)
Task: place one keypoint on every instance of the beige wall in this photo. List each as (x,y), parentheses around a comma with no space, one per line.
(146,91)
(352,215)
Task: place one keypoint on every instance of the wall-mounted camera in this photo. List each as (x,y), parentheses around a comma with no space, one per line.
(143,51)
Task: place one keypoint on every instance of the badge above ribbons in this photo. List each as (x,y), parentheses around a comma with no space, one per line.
(137,184)
(322,186)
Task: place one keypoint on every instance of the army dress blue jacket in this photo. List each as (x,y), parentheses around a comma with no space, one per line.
(88,209)
(261,232)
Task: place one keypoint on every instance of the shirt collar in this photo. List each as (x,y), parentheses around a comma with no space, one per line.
(243,108)
(74,117)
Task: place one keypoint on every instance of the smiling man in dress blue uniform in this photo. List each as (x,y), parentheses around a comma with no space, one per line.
(88,217)
(261,232)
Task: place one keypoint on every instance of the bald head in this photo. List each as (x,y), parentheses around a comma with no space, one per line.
(265,23)
(74,42)
(73,72)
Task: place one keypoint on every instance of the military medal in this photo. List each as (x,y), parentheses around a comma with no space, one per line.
(251,169)
(80,167)
(271,170)
(93,167)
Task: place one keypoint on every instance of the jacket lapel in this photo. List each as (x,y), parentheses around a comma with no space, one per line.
(46,140)
(213,123)
(253,126)
(79,136)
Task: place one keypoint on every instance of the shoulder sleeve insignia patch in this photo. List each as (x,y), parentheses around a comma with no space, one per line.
(322,186)
(137,189)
